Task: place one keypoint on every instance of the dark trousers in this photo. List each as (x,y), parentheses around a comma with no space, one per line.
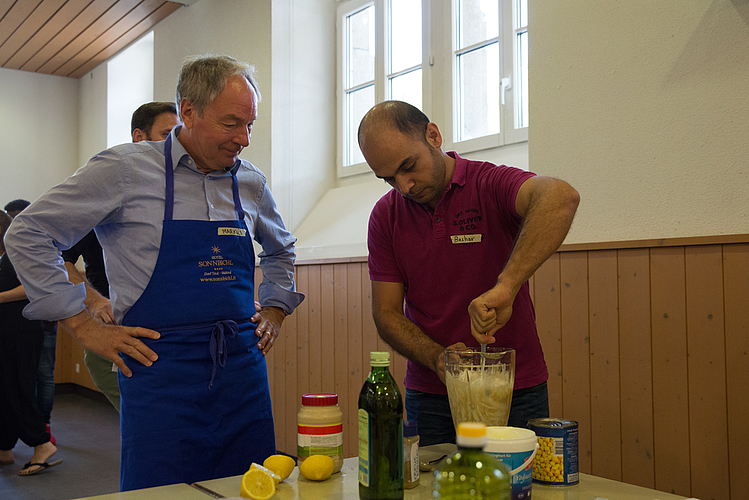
(435,422)
(20,346)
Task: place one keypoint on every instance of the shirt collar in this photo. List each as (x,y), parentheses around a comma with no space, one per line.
(459,174)
(180,156)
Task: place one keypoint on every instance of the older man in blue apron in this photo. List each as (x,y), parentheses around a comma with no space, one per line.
(176,220)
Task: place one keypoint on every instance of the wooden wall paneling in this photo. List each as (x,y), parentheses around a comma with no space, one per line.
(635,367)
(279,393)
(327,340)
(736,292)
(369,330)
(670,388)
(706,364)
(292,398)
(314,325)
(340,347)
(355,379)
(547,302)
(576,349)
(302,335)
(605,408)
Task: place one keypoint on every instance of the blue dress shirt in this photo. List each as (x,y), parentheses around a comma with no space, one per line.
(120,193)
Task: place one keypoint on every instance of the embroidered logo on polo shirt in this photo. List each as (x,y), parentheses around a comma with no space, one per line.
(466,238)
(231,231)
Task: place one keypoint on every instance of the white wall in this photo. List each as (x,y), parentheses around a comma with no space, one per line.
(92,98)
(303,132)
(38,133)
(643,106)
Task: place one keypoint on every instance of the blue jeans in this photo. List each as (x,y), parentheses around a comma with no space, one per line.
(435,422)
(45,376)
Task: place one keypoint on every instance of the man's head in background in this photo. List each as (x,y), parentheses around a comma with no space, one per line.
(153,121)
(16,206)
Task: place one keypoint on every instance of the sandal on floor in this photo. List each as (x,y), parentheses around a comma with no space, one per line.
(42,466)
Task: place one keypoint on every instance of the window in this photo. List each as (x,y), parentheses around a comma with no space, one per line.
(488,75)
(376,64)
(482,46)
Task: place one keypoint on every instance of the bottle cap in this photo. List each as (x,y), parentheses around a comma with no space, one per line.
(379,358)
(410,429)
(471,435)
(323,399)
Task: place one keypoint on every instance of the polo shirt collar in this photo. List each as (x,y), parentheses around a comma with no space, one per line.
(459,174)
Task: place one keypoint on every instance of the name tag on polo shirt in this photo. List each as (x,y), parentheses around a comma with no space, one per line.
(466,238)
(232,231)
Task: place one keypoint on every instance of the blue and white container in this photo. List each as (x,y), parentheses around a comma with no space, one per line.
(516,448)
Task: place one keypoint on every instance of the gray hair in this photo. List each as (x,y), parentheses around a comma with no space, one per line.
(202,78)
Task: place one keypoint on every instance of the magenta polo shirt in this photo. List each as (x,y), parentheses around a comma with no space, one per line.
(443,267)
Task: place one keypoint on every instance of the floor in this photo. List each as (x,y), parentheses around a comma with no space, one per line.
(87,429)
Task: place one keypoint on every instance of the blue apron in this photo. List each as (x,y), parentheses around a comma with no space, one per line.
(203,410)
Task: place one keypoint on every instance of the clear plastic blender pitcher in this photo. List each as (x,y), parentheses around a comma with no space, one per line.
(479,385)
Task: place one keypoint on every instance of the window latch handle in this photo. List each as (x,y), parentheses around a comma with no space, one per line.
(505,84)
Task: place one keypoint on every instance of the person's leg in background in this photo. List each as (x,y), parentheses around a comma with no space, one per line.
(45,378)
(105,379)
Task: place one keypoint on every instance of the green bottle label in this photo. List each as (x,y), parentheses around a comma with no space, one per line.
(363,447)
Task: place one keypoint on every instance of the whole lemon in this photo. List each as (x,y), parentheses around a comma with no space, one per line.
(280,464)
(257,484)
(317,467)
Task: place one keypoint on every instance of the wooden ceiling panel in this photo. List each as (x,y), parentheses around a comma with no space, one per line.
(128,37)
(41,38)
(72,37)
(51,53)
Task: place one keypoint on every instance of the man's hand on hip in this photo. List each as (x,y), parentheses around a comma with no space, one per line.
(110,340)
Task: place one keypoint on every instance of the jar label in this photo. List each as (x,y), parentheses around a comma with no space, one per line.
(320,440)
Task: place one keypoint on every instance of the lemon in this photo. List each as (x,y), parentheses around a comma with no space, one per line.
(280,464)
(276,478)
(257,484)
(317,467)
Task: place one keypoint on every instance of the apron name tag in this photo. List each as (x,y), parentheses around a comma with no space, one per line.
(466,238)
(232,231)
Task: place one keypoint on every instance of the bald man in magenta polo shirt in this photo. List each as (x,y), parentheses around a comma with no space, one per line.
(458,240)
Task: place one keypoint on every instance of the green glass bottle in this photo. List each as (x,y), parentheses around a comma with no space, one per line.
(469,473)
(380,433)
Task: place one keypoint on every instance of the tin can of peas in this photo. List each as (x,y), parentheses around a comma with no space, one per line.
(556,462)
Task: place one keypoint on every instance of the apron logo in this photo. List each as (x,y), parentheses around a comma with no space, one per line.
(466,238)
(231,231)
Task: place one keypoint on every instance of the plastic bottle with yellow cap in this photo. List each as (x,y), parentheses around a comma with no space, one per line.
(469,472)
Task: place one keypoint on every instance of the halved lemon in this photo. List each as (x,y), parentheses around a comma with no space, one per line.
(317,467)
(257,484)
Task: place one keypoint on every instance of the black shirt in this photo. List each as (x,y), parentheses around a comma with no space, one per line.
(93,257)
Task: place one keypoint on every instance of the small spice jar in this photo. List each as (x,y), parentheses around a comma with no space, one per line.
(320,428)
(410,455)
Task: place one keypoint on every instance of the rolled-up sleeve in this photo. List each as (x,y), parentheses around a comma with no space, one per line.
(55,222)
(277,258)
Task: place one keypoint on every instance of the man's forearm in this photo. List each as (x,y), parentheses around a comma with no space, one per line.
(545,225)
(408,340)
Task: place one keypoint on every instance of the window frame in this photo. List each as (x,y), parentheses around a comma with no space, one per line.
(508,65)
(381,75)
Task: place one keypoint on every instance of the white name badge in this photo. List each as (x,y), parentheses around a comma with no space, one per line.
(466,238)
(231,231)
